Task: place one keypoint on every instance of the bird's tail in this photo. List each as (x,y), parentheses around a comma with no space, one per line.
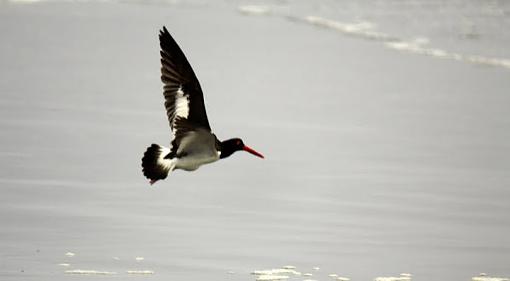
(154,165)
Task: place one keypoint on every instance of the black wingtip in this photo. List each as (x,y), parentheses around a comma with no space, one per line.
(163,32)
(166,42)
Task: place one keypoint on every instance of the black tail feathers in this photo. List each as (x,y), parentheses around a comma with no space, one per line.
(154,166)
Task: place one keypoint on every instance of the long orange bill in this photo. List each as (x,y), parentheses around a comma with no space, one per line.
(248,149)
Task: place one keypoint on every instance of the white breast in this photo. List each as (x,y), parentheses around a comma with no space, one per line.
(192,162)
(197,148)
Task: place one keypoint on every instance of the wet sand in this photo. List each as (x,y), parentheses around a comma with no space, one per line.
(379,162)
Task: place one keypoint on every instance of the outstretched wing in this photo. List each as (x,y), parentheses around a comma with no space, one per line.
(183,95)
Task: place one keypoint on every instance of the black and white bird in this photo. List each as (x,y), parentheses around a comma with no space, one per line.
(193,143)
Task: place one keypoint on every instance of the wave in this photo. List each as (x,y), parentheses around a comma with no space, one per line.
(367,31)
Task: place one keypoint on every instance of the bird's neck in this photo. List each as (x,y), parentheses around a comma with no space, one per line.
(227,148)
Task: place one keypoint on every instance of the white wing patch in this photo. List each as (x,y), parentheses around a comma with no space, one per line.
(181,104)
(181,108)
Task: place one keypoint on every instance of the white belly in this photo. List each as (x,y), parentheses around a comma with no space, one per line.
(192,162)
(198,148)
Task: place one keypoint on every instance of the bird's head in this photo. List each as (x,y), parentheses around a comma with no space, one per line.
(232,145)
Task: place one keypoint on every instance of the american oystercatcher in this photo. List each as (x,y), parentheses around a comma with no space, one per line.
(193,143)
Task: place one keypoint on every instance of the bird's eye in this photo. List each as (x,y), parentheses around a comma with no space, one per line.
(238,142)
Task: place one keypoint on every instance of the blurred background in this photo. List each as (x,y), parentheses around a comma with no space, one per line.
(385,126)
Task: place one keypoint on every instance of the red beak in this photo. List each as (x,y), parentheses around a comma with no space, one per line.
(248,149)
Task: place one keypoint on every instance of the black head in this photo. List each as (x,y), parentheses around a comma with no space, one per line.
(232,145)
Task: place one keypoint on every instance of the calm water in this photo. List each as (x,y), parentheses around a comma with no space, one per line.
(385,125)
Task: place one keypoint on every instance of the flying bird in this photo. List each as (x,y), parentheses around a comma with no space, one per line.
(193,144)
